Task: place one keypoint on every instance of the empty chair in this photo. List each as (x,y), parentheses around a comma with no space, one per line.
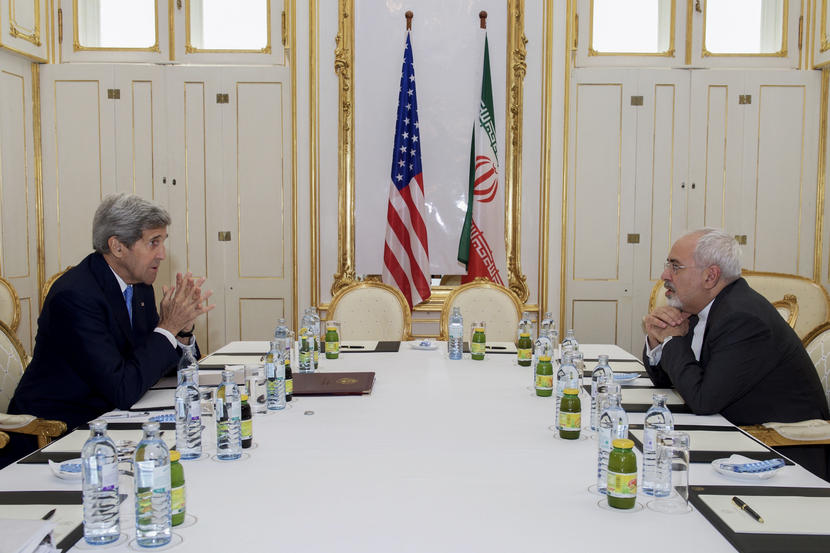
(482,300)
(9,305)
(788,308)
(371,311)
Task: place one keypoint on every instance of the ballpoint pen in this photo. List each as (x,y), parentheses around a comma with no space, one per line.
(747,509)
(48,515)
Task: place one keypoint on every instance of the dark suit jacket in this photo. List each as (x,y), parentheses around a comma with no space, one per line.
(87,360)
(752,369)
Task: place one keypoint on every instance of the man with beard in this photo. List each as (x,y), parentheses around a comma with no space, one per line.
(725,348)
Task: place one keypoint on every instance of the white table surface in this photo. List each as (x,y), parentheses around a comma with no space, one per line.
(442,456)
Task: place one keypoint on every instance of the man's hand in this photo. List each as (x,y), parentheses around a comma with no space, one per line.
(183,303)
(665,321)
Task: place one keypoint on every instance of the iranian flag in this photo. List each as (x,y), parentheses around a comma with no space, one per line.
(481,247)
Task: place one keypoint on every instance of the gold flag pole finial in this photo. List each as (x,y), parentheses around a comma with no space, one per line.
(482,15)
(408,16)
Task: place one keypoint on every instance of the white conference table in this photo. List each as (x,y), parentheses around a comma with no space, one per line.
(451,456)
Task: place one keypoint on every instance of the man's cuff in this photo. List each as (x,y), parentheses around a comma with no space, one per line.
(655,354)
(169,335)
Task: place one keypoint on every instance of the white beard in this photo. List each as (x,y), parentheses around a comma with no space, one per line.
(673,301)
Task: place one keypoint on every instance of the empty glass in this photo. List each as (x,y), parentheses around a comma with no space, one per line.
(255,387)
(672,473)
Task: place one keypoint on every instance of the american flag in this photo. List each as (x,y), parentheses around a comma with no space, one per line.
(406,251)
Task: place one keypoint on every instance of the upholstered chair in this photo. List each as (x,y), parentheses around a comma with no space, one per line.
(9,305)
(482,300)
(371,311)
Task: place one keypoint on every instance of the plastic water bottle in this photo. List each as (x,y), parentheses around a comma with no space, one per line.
(525,325)
(281,332)
(306,339)
(188,416)
(188,361)
(275,378)
(153,515)
(99,462)
(569,343)
(613,424)
(601,373)
(228,419)
(315,329)
(547,325)
(456,334)
(566,377)
(658,419)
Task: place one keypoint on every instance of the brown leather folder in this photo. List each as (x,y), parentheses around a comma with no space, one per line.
(333,384)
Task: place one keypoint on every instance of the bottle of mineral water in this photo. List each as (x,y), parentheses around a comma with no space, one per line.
(281,332)
(566,377)
(188,416)
(188,361)
(602,372)
(99,470)
(613,424)
(658,419)
(547,325)
(153,515)
(228,419)
(456,334)
(306,339)
(315,329)
(525,325)
(275,378)
(569,343)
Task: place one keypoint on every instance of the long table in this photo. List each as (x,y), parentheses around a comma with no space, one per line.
(442,456)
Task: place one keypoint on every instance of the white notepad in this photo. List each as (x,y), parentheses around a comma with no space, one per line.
(66,517)
(155,399)
(75,440)
(713,440)
(781,514)
(219,359)
(247,346)
(643,395)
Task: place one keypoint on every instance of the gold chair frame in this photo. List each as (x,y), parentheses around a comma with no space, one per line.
(477,283)
(4,439)
(790,302)
(48,284)
(407,314)
(15,322)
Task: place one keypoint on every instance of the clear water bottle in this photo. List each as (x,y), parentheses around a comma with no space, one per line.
(569,343)
(456,334)
(566,377)
(658,419)
(275,378)
(153,515)
(547,325)
(613,424)
(188,361)
(228,419)
(601,373)
(306,339)
(525,326)
(188,416)
(99,462)
(281,332)
(315,329)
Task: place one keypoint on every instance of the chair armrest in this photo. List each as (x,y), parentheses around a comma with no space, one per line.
(4,439)
(44,429)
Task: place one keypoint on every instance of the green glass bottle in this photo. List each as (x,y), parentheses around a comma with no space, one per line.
(544,377)
(332,343)
(247,423)
(570,415)
(177,495)
(622,475)
(525,350)
(478,343)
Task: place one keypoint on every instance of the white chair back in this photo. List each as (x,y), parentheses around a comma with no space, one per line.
(485,301)
(371,311)
(817,344)
(12,363)
(9,305)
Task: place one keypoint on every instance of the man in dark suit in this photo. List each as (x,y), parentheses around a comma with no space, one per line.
(101,343)
(724,347)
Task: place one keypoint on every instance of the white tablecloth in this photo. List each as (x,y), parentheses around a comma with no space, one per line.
(444,455)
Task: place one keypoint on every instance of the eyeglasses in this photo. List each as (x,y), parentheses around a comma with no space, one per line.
(676,267)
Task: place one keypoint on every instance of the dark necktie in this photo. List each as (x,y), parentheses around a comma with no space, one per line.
(128,299)
(692,324)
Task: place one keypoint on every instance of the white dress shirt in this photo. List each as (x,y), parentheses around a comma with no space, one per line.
(655,354)
(166,333)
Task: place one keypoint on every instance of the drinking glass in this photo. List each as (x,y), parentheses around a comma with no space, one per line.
(672,473)
(206,394)
(255,387)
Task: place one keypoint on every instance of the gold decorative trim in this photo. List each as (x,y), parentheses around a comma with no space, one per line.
(344,68)
(190,49)
(516,70)
(27,55)
(38,151)
(407,316)
(825,42)
(570,30)
(689,14)
(544,172)
(479,282)
(171,32)
(704,53)
(294,146)
(313,149)
(15,299)
(78,47)
(17,31)
(669,53)
(790,303)
(822,174)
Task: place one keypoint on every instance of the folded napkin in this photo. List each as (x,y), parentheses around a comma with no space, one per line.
(25,536)
(814,429)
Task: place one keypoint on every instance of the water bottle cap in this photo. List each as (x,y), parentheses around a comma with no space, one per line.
(175,456)
(621,443)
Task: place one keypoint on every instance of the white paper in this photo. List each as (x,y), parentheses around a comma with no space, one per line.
(593,351)
(64,521)
(251,346)
(643,395)
(782,514)
(154,399)
(712,440)
(74,441)
(217,359)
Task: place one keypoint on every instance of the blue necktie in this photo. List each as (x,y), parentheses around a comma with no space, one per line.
(128,298)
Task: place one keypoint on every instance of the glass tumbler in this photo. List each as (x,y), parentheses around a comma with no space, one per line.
(672,473)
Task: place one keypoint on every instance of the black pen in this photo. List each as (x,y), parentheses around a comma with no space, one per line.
(353,347)
(48,515)
(496,347)
(747,509)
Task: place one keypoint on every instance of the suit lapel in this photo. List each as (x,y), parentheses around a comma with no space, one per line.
(113,295)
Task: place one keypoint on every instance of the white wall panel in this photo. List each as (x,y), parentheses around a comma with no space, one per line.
(15,208)
(257,317)
(597,321)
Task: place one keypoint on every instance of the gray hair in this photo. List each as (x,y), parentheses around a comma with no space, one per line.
(716,247)
(125,216)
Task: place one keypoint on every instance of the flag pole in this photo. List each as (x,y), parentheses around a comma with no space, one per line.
(482,15)
(408,16)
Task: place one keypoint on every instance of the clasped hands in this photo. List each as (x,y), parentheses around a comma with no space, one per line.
(665,321)
(183,303)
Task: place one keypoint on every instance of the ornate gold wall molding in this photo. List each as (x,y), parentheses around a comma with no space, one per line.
(344,68)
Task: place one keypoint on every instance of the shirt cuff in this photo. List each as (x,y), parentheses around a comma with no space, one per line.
(169,335)
(655,354)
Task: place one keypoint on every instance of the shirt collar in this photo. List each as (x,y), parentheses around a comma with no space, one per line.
(123,285)
(704,313)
